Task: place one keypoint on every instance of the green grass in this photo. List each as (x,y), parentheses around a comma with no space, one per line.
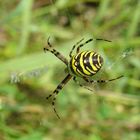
(28,75)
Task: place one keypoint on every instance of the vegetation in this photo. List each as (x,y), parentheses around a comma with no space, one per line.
(28,75)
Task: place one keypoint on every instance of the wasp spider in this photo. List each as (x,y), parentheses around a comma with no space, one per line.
(83,64)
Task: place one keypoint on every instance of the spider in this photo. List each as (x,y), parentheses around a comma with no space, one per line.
(83,64)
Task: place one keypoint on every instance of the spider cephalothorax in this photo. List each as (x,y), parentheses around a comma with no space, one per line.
(83,64)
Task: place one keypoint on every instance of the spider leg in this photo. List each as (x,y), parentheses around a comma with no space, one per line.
(56,91)
(101,39)
(70,54)
(89,40)
(101,81)
(81,45)
(55,52)
(81,85)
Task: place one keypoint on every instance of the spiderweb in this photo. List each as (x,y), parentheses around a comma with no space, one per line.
(126,53)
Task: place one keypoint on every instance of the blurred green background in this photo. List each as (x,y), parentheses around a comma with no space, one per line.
(28,75)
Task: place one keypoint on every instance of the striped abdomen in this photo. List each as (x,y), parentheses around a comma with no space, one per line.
(86,63)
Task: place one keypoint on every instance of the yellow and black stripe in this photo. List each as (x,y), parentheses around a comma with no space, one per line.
(85,63)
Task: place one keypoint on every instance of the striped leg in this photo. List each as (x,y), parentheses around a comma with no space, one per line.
(81,45)
(55,52)
(56,91)
(70,54)
(101,81)
(81,85)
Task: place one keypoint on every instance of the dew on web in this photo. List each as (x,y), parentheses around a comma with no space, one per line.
(127,52)
(16,77)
